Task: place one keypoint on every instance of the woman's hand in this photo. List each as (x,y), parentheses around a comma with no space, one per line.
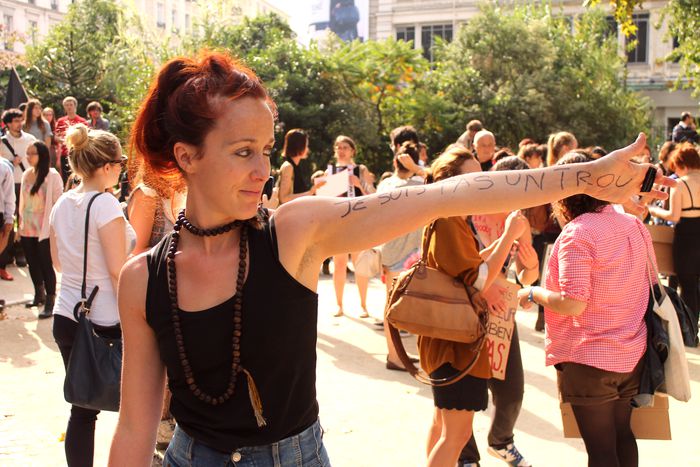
(615,178)
(318,185)
(494,297)
(516,224)
(407,162)
(273,202)
(523,298)
(527,255)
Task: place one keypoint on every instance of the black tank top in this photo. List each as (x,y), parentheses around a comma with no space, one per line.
(278,347)
(299,185)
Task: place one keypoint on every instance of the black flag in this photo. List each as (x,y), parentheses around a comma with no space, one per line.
(15,94)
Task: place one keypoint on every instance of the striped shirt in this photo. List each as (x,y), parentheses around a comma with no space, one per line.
(601,259)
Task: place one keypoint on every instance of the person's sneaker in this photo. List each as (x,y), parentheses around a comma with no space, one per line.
(6,276)
(510,455)
(21,261)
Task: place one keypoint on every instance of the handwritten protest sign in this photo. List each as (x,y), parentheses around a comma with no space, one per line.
(499,331)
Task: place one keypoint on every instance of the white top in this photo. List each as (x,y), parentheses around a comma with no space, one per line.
(20,146)
(7,191)
(68,222)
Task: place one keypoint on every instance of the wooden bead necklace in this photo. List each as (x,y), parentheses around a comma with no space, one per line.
(236,366)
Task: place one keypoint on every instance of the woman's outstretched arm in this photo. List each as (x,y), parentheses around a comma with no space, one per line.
(311,229)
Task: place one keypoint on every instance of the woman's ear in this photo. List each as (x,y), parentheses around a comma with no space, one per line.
(185,155)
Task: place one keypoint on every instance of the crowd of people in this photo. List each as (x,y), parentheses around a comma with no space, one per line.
(202,347)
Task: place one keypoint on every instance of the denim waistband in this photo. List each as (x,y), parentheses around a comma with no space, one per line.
(301,450)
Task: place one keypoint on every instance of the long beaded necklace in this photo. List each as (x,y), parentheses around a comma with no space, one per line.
(236,366)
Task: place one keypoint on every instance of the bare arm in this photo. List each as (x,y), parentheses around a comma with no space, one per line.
(54,250)
(287,185)
(313,228)
(113,240)
(142,212)
(672,214)
(552,300)
(143,374)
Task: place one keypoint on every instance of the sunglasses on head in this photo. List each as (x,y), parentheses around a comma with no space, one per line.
(121,161)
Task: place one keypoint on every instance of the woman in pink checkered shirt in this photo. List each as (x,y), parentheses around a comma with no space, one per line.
(596,295)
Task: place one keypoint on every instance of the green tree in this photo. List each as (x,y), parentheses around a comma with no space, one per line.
(98,52)
(524,73)
(297,78)
(379,78)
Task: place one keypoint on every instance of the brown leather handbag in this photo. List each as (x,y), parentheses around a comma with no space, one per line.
(428,302)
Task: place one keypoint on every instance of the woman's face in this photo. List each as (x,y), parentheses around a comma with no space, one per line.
(48,115)
(233,164)
(114,170)
(344,152)
(36,112)
(32,155)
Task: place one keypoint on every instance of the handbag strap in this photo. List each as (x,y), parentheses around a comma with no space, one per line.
(420,375)
(652,272)
(87,301)
(426,242)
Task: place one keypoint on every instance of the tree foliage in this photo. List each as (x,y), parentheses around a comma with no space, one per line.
(524,73)
(98,52)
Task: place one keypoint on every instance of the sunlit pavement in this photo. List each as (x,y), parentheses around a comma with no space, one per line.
(371,416)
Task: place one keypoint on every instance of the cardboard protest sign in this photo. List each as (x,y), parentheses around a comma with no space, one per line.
(499,331)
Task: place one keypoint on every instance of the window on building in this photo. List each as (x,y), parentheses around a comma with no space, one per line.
(160,15)
(406,33)
(8,23)
(640,53)
(32,2)
(428,35)
(33,28)
(173,19)
(187,22)
(675,44)
(54,4)
(611,30)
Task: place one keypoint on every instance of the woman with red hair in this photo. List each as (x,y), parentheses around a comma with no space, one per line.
(227,303)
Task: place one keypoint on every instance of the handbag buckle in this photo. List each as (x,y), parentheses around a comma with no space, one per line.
(84,307)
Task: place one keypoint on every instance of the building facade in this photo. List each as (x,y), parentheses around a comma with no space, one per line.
(29,20)
(647,70)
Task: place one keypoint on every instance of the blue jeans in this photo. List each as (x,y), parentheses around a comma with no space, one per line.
(302,450)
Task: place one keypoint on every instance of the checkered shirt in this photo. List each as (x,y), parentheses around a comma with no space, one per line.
(601,259)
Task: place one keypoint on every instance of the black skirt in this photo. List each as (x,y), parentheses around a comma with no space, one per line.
(469,393)
(686,247)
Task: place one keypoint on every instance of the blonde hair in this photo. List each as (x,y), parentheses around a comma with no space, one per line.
(555,144)
(88,149)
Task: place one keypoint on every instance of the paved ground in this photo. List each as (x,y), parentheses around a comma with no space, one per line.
(372,417)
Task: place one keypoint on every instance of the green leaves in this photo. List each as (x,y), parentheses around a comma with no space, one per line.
(524,73)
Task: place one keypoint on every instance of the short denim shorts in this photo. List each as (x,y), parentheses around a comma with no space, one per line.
(302,450)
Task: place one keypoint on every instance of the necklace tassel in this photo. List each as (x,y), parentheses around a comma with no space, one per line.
(255,400)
